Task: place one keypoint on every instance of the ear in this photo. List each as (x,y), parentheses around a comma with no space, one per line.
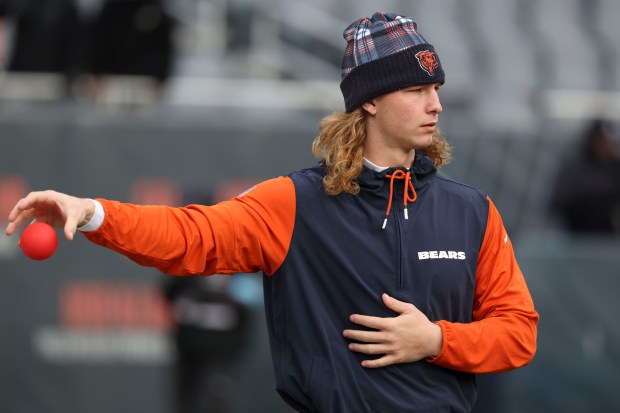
(370,107)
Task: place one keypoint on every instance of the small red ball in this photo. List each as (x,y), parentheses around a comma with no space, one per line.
(38,241)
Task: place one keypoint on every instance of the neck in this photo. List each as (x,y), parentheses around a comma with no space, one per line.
(384,161)
(384,153)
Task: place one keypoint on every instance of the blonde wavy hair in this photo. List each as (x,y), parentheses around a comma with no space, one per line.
(341,145)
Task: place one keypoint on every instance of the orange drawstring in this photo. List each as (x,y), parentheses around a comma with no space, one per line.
(399,174)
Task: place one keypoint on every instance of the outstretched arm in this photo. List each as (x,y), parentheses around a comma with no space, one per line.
(249,233)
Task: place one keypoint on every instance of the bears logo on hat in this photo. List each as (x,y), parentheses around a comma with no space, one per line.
(428,61)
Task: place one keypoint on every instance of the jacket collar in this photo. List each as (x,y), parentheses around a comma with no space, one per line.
(422,171)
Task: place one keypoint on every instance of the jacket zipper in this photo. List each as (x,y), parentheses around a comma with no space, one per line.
(399,229)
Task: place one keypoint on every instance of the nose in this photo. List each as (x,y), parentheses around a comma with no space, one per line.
(434,105)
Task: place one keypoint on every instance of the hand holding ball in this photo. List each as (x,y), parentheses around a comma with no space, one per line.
(38,241)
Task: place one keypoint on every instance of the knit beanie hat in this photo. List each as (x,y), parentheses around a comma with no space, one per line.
(383,54)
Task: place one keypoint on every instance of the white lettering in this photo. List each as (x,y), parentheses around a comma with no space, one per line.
(446,255)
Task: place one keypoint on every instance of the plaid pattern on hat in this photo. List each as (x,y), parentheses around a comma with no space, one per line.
(383,54)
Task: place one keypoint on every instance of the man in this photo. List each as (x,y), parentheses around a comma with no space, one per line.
(595,208)
(387,287)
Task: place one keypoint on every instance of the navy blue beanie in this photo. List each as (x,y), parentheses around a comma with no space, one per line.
(383,54)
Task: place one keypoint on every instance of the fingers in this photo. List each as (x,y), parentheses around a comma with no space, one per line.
(396,305)
(375,323)
(378,323)
(395,339)
(390,301)
(21,206)
(384,361)
(372,349)
(50,207)
(363,335)
(21,212)
(371,343)
(373,346)
(70,228)
(17,218)
(388,355)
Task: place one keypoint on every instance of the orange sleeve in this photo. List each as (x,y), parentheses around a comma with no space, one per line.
(503,334)
(249,233)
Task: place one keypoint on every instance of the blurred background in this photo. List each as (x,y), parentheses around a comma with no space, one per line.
(178,101)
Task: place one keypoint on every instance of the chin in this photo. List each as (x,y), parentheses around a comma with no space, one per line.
(423,142)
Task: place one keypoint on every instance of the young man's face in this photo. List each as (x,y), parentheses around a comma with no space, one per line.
(405,119)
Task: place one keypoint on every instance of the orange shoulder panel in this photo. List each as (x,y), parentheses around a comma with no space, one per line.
(249,233)
(503,334)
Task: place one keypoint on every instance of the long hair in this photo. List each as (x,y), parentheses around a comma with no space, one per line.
(341,145)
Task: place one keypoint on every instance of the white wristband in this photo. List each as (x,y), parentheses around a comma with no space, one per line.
(96,220)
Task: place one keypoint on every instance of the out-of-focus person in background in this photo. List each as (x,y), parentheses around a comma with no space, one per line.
(586,196)
(45,36)
(131,38)
(211,329)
